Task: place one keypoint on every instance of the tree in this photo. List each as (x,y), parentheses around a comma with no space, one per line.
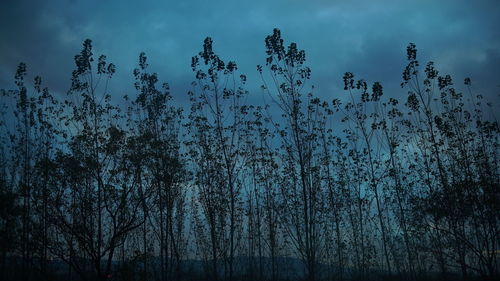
(96,197)
(301,186)
(457,149)
(158,129)
(215,126)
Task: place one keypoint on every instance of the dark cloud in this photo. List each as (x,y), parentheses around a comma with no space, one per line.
(365,37)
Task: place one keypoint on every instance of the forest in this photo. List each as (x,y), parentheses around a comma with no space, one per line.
(360,186)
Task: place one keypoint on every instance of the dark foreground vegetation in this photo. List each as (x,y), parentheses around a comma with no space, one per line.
(361,187)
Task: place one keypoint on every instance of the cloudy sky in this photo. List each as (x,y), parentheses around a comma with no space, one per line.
(367,38)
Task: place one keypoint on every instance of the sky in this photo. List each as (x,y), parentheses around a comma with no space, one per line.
(368,38)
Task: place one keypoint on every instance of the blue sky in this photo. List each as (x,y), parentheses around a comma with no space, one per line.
(367,38)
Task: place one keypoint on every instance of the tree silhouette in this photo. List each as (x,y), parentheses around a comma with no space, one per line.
(365,186)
